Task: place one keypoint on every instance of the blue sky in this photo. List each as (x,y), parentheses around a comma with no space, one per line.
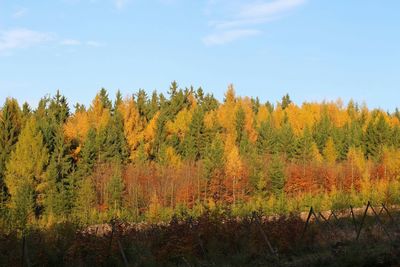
(312,49)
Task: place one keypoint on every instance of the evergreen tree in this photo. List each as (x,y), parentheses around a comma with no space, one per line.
(194,143)
(88,154)
(214,156)
(322,130)
(266,141)
(395,137)
(118,100)
(111,141)
(23,206)
(173,89)
(303,149)
(276,175)
(240,117)
(85,200)
(286,101)
(377,135)
(59,185)
(154,106)
(105,100)
(141,101)
(286,140)
(115,189)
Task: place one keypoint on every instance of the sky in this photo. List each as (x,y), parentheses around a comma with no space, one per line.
(314,50)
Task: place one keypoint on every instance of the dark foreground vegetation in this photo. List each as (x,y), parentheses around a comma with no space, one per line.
(214,240)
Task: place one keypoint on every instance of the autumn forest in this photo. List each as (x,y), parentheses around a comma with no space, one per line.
(152,157)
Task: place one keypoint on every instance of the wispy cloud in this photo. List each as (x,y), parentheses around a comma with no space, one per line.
(19,13)
(244,15)
(266,9)
(224,37)
(70,42)
(120,3)
(75,42)
(22,38)
(94,44)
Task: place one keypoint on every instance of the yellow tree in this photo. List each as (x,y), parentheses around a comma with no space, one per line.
(133,124)
(25,175)
(233,168)
(356,159)
(99,115)
(330,152)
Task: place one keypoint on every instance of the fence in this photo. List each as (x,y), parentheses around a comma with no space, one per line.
(327,222)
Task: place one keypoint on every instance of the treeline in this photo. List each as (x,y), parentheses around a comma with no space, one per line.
(151,157)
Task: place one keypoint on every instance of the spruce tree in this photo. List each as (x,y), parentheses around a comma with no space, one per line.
(194,142)
(276,175)
(267,139)
(214,156)
(59,185)
(286,140)
(322,130)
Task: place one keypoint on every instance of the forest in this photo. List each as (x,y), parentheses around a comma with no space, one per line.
(155,157)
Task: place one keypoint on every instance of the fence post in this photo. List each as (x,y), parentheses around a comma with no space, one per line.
(122,253)
(271,249)
(307,221)
(353,219)
(363,219)
(111,237)
(23,250)
(380,222)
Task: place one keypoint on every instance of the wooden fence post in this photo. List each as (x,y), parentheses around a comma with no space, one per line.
(363,219)
(353,219)
(307,221)
(380,222)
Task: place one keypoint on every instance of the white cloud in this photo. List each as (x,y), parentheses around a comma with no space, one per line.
(228,36)
(19,13)
(70,42)
(94,44)
(120,3)
(244,14)
(268,9)
(22,38)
